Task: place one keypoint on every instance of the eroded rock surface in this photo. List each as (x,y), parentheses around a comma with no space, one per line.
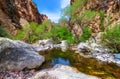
(11,11)
(62,72)
(17,55)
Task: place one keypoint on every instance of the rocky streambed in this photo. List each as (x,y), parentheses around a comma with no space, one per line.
(19,60)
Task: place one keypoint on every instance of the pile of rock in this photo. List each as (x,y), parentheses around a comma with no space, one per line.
(99,52)
(46,44)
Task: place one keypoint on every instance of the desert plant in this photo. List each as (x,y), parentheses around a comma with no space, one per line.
(111,38)
(34,32)
(86,17)
(102,18)
(73,11)
(44,31)
(3,32)
(86,34)
(59,33)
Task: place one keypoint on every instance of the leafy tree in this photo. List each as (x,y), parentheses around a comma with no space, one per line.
(34,32)
(44,31)
(73,10)
(62,33)
(111,38)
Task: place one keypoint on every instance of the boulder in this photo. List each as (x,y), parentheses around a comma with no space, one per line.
(45,42)
(64,45)
(8,43)
(43,45)
(84,46)
(17,55)
(62,72)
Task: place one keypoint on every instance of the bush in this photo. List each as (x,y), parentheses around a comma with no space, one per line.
(111,38)
(41,31)
(86,34)
(3,32)
(102,19)
(86,17)
(73,11)
(34,32)
(62,33)
(44,31)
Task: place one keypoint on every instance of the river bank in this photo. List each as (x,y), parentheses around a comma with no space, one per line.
(86,58)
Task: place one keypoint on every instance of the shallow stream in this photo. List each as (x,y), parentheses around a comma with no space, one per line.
(86,65)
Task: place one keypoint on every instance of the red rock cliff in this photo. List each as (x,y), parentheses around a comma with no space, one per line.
(11,11)
(111,9)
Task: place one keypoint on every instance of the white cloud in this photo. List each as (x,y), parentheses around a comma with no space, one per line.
(53,16)
(64,3)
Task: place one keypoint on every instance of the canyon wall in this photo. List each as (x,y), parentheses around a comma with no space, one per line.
(12,11)
(111,15)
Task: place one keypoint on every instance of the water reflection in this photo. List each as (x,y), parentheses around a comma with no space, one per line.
(89,66)
(60,60)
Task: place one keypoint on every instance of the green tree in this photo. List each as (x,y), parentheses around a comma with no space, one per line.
(111,38)
(86,34)
(59,33)
(34,32)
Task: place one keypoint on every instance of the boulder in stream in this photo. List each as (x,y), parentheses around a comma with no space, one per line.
(62,72)
(17,55)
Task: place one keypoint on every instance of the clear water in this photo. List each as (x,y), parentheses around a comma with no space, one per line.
(60,60)
(89,66)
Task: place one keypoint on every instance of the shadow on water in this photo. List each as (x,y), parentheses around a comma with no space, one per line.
(86,65)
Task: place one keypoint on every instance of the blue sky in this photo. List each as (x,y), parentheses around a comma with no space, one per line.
(52,8)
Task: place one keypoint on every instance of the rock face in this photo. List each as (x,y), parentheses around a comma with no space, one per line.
(111,9)
(11,11)
(97,51)
(62,72)
(17,55)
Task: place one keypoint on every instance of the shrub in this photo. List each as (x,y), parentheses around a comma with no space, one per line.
(62,33)
(34,32)
(73,11)
(44,31)
(3,32)
(86,34)
(102,18)
(86,17)
(41,31)
(111,38)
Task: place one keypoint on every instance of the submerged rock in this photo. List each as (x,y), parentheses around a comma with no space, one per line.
(62,72)
(17,55)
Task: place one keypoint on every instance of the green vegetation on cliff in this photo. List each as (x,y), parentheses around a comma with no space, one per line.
(45,30)
(3,32)
(86,34)
(83,15)
(111,38)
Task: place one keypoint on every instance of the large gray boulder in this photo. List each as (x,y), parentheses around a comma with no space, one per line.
(17,55)
(8,43)
(62,72)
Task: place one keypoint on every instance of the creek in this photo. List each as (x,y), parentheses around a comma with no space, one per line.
(90,66)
